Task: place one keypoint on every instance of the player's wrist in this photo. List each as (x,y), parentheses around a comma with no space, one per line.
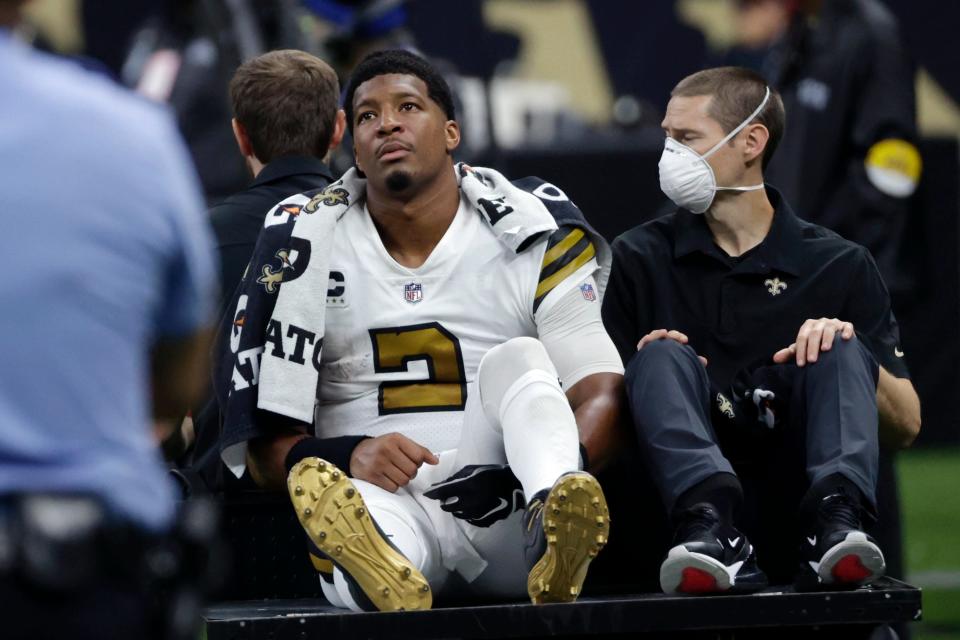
(338,451)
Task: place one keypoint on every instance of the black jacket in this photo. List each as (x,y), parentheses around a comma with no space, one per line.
(238,219)
(847,84)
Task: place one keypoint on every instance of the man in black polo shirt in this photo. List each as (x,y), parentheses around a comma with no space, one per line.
(752,341)
(285,122)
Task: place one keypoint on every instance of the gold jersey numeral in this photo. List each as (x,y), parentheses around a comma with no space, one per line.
(444,389)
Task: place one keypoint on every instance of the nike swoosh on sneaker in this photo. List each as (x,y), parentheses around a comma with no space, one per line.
(733,543)
(812,541)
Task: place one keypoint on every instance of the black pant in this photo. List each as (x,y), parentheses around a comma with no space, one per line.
(830,427)
(105,576)
(100,610)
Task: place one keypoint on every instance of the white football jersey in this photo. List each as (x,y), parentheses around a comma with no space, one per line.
(402,346)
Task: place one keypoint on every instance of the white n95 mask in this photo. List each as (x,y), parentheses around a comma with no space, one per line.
(688,179)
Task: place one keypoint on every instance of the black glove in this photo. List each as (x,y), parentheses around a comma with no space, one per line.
(480,494)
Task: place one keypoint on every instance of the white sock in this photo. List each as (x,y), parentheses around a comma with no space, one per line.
(331,593)
(540,433)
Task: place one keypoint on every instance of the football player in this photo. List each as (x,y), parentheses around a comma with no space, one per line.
(463,363)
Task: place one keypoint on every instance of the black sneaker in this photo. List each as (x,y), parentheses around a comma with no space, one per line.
(709,556)
(337,521)
(565,528)
(836,552)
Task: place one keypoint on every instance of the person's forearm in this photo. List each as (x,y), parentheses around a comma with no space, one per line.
(179,373)
(899,410)
(598,416)
(266,457)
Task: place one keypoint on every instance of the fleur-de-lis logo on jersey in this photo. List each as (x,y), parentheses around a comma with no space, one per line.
(775,286)
(724,405)
(330,196)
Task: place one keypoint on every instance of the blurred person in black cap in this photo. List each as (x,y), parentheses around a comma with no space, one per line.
(117,294)
(763,359)
(286,121)
(849,159)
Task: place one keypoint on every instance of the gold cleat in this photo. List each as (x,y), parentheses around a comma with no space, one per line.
(335,517)
(573,515)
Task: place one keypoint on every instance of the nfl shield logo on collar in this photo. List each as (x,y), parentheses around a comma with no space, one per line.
(588,293)
(413,292)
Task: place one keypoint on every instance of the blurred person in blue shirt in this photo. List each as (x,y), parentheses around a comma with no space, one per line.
(107,301)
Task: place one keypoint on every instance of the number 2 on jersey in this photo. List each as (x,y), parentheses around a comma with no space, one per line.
(444,389)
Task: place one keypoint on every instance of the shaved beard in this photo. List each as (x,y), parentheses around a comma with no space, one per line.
(399,181)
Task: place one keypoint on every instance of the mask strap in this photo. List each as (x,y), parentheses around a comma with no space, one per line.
(755,187)
(740,127)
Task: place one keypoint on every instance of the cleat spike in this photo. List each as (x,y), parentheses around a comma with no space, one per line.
(335,476)
(351,492)
(406,572)
(360,512)
(425,588)
(298,491)
(307,512)
(322,466)
(385,591)
(322,535)
(338,549)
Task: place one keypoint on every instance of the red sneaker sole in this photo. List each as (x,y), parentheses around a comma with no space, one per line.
(850,569)
(695,580)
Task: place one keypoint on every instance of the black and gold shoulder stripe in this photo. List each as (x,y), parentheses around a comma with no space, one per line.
(568,249)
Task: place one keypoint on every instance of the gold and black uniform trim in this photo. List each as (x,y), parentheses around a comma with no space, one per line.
(322,565)
(568,249)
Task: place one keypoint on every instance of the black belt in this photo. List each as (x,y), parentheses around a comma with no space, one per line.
(62,543)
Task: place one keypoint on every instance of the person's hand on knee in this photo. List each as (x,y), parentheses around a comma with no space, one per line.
(815,335)
(664,334)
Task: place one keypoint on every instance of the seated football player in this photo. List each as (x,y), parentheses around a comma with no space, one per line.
(430,415)
(763,357)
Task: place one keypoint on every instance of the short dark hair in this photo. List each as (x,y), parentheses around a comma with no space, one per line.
(287,102)
(736,93)
(388,61)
